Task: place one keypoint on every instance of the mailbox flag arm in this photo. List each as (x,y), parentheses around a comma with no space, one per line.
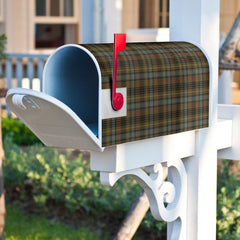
(119,45)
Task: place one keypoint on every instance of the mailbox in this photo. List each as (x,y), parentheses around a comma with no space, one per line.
(165,90)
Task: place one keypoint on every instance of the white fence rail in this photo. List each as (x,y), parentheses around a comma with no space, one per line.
(22,70)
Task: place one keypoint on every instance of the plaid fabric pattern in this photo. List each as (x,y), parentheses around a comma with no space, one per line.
(167,89)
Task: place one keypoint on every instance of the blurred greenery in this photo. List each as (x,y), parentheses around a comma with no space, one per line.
(65,179)
(19,132)
(47,176)
(228,204)
(21,227)
(3,41)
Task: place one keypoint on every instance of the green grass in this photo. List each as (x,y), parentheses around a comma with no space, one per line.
(21,227)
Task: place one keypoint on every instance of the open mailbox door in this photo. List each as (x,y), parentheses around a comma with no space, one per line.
(52,121)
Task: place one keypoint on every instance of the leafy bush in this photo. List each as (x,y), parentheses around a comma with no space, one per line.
(228,207)
(55,177)
(66,179)
(19,132)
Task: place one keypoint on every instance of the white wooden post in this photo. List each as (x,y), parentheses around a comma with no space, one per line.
(197,21)
(191,157)
(225,87)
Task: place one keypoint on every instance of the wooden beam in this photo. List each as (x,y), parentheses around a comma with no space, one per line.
(133,218)
(229,46)
(229,65)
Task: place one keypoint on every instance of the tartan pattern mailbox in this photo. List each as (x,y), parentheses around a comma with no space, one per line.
(165,86)
(167,89)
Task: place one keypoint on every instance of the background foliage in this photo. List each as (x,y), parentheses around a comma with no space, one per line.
(3,41)
(51,178)
(228,204)
(48,177)
(19,132)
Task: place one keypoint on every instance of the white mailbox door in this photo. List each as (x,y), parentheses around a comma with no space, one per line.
(53,122)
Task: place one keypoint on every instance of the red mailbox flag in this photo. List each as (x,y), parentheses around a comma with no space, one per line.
(119,45)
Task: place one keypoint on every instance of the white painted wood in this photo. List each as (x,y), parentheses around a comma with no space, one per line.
(159,192)
(225,87)
(201,171)
(177,175)
(106,106)
(112,20)
(97,15)
(197,21)
(148,35)
(54,123)
(231,112)
(224,134)
(87,22)
(144,153)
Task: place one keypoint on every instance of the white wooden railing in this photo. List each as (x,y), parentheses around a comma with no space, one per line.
(23,70)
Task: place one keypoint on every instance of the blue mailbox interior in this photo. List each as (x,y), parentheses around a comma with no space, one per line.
(71,76)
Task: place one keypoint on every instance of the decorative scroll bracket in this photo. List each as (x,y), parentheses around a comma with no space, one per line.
(168,199)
